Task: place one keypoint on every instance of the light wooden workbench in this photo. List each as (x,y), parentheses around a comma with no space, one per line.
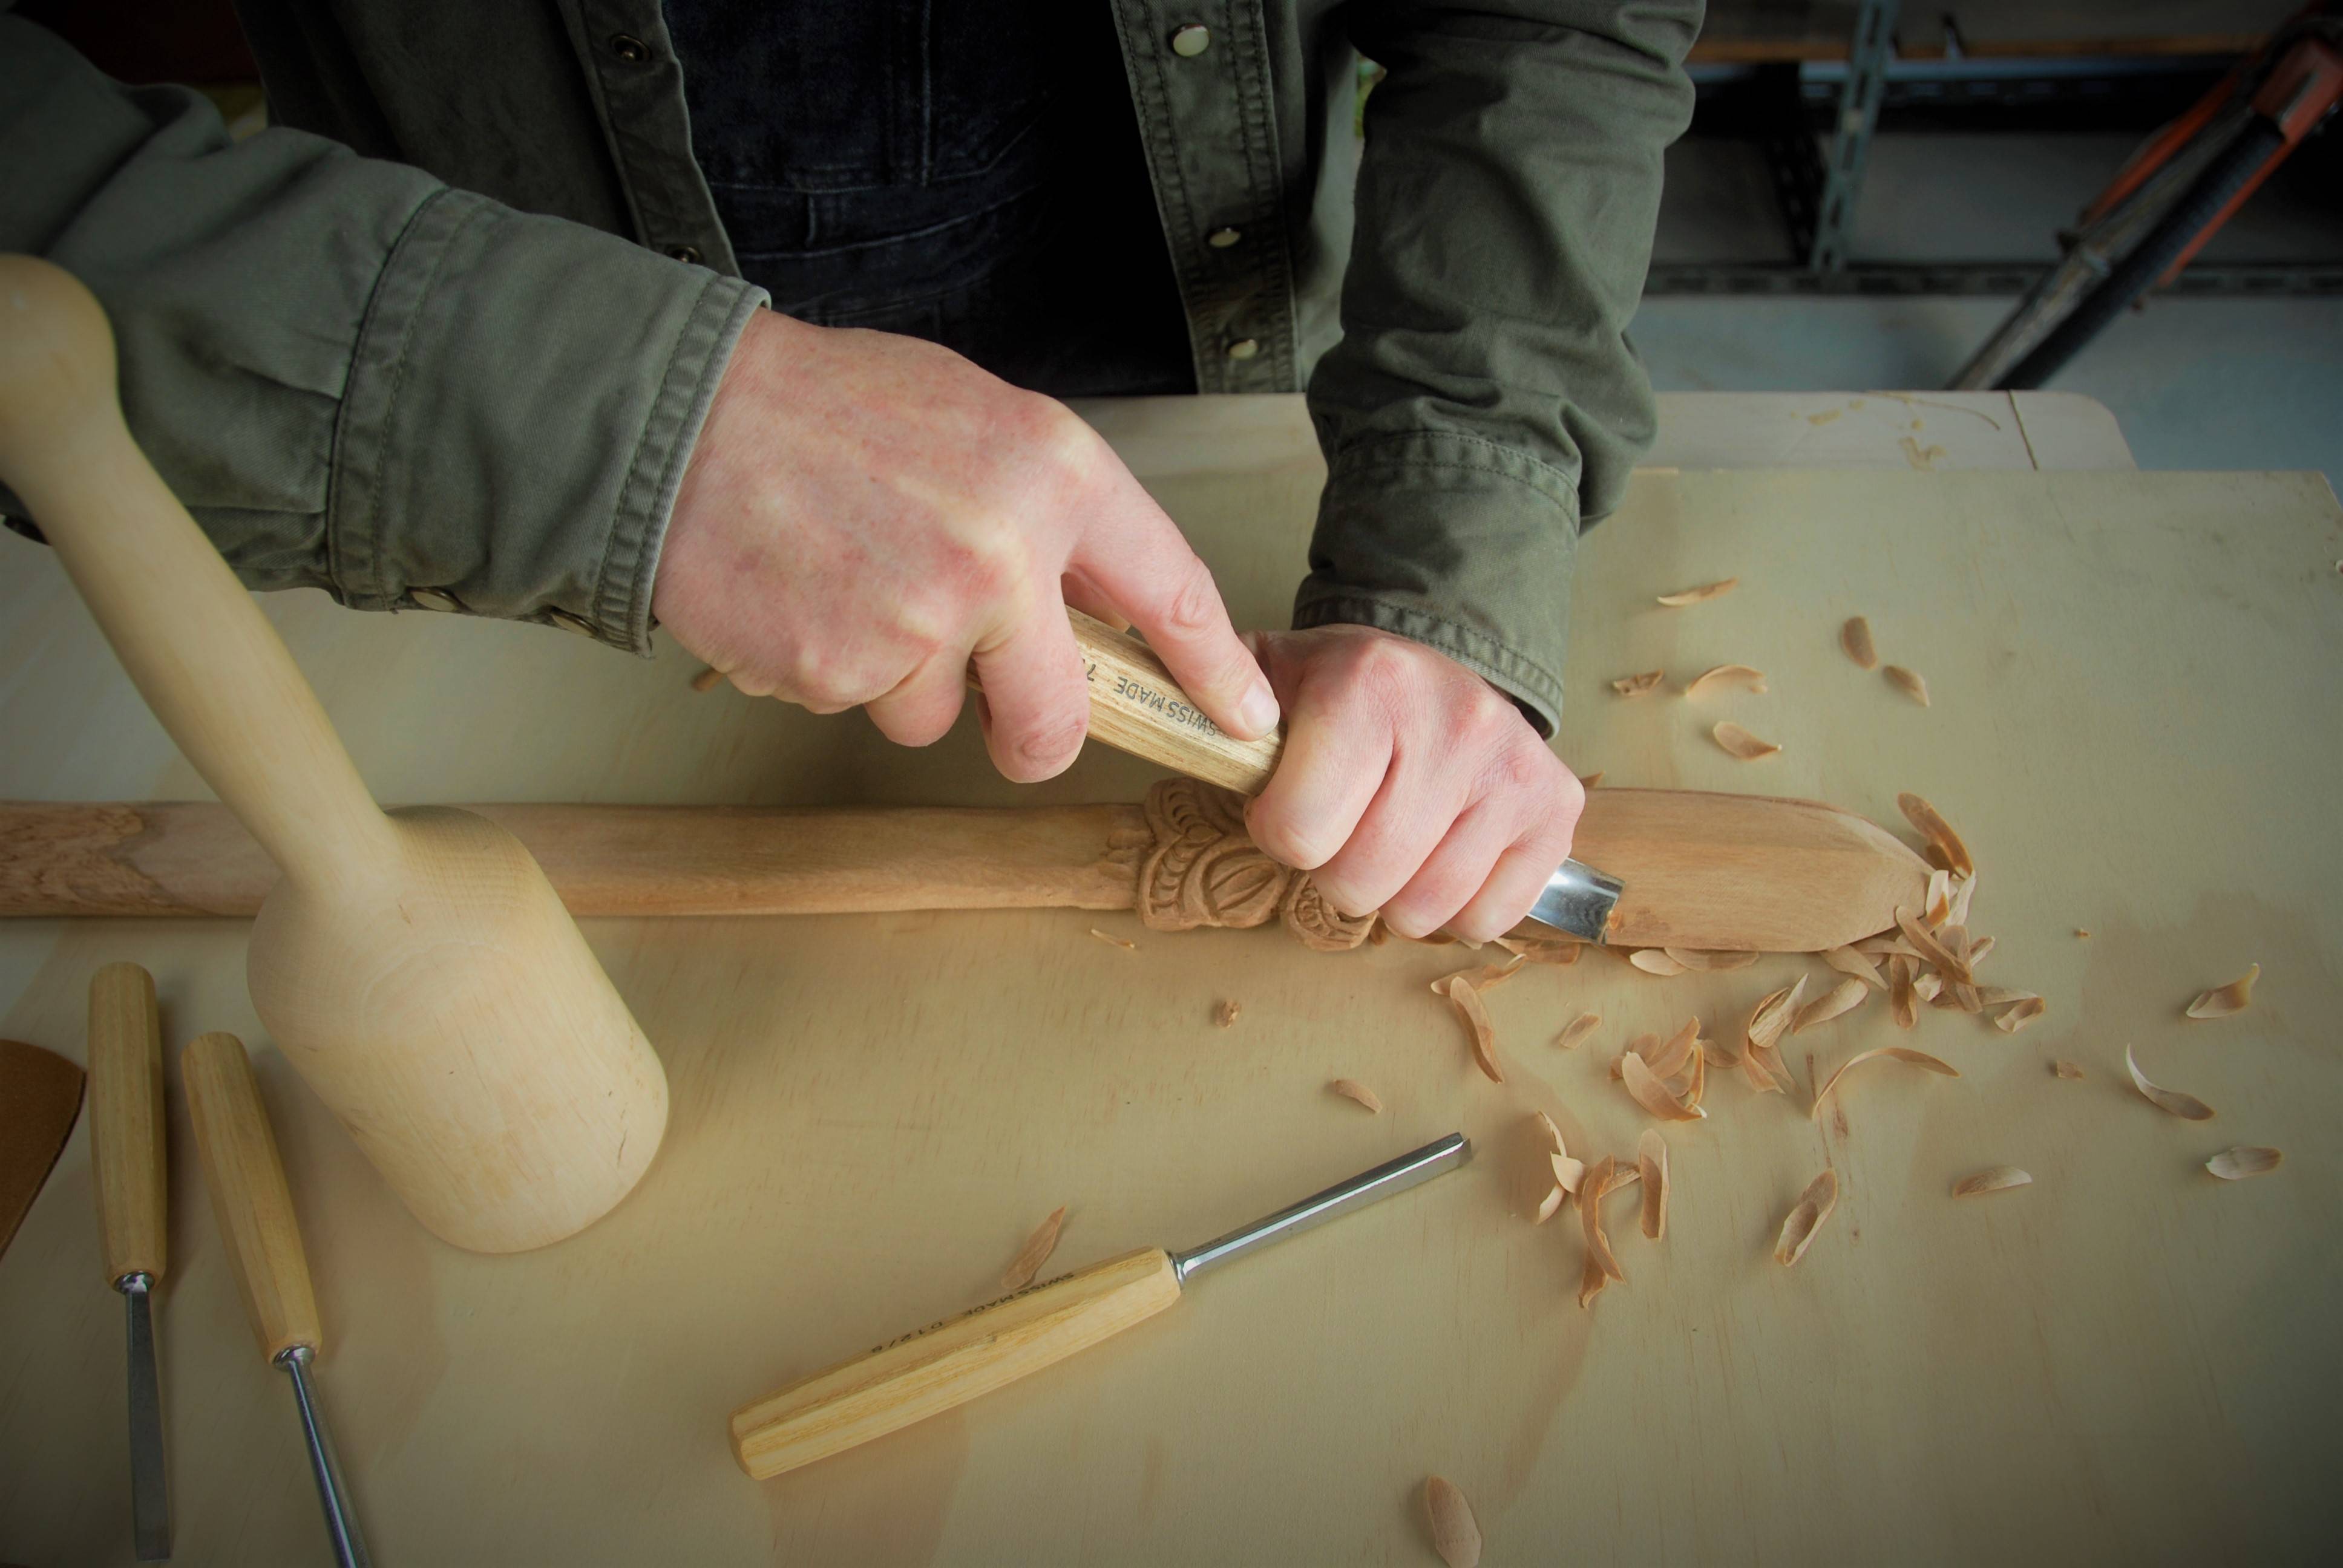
(2136,724)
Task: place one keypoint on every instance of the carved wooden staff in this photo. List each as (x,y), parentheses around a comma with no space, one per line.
(1726,872)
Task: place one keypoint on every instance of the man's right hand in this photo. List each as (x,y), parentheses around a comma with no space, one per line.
(864,513)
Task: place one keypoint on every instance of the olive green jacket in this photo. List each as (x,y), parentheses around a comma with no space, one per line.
(446,336)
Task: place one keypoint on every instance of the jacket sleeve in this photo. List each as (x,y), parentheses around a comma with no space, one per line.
(357,378)
(1485,400)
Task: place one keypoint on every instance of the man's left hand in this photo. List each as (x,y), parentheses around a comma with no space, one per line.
(1409,784)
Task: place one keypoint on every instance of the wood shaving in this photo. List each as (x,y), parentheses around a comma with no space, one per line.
(1643,1045)
(1705,959)
(1699,1087)
(1992,1179)
(1907,683)
(1740,743)
(1111,939)
(1569,1174)
(1638,685)
(1655,961)
(1667,1059)
(1549,1204)
(1723,675)
(1928,987)
(2225,1001)
(1602,1264)
(1541,952)
(1937,907)
(1933,826)
(2236,1164)
(1589,780)
(1956,938)
(1885,945)
(1652,1166)
(2084,932)
(1854,636)
(1843,996)
(1034,1252)
(1466,999)
(1805,1217)
(1577,1030)
(707,679)
(1226,1013)
(1964,892)
(1352,1088)
(1487,978)
(1848,962)
(2066,1070)
(1455,1534)
(2012,1019)
(1895,1052)
(1698,595)
(1762,1063)
(1979,947)
(1901,995)
(1931,948)
(2187,1107)
(1718,1052)
(1545,1125)
(1648,1091)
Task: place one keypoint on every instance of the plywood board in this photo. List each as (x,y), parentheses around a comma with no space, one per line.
(2136,726)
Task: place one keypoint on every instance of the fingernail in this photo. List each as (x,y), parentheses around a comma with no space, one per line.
(1259,709)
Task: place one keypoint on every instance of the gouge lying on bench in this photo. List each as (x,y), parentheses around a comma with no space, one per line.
(953,1362)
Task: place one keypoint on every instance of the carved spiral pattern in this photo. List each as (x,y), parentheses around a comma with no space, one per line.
(1202,871)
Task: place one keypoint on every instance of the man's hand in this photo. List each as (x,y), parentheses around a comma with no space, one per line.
(1409,784)
(865,512)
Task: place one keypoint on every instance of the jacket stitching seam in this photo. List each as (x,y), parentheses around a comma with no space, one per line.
(445,245)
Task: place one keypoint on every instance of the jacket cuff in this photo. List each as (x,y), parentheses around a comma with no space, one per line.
(1456,542)
(523,399)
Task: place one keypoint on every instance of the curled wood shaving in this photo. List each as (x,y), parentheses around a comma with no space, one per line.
(2066,1070)
(1226,1013)
(1907,683)
(1964,890)
(1900,992)
(1643,1045)
(1548,1205)
(2084,932)
(1992,1179)
(1843,996)
(1352,1088)
(1705,959)
(1546,1126)
(1454,1535)
(1467,1001)
(1724,674)
(1577,1030)
(1930,948)
(1652,1166)
(2236,1164)
(1668,1059)
(2224,1001)
(1111,939)
(1034,1252)
(1718,1052)
(1897,1052)
(1854,636)
(1655,961)
(1983,945)
(1806,1217)
(1848,962)
(1601,1265)
(1638,685)
(1569,1174)
(1540,952)
(707,679)
(1698,595)
(1884,945)
(1965,991)
(2012,1019)
(1644,1086)
(1928,986)
(2186,1106)
(1740,743)
(1699,1087)
(1487,978)
(1938,832)
(1762,1063)
(1937,907)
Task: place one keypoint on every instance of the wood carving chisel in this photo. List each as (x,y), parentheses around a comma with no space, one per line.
(1137,706)
(254,1211)
(127,1158)
(946,1365)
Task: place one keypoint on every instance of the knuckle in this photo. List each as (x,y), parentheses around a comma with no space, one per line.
(1194,605)
(1051,741)
(1281,841)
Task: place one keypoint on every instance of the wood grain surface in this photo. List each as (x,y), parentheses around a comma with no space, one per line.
(2135,727)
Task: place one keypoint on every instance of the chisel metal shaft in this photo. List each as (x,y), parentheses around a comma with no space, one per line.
(951,1363)
(126,1156)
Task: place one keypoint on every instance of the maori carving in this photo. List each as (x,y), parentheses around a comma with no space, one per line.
(1202,871)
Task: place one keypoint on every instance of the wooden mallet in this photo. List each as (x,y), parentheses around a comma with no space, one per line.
(416,967)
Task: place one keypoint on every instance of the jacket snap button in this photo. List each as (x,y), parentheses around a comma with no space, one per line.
(629,48)
(1245,348)
(1191,40)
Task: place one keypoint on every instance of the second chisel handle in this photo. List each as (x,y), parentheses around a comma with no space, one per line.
(249,1197)
(931,1371)
(125,1120)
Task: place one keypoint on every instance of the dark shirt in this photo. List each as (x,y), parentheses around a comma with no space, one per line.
(965,171)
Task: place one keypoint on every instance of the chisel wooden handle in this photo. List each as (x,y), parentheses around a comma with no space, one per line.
(931,1371)
(125,1120)
(1137,706)
(249,1197)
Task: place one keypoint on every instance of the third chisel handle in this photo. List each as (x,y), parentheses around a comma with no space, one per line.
(931,1371)
(125,1120)
(1137,706)
(248,1193)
